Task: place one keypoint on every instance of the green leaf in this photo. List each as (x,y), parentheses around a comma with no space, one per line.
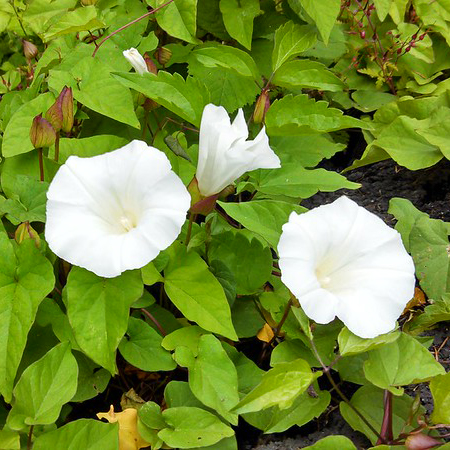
(89,146)
(303,73)
(294,181)
(141,346)
(264,217)
(369,401)
(186,336)
(98,310)
(213,378)
(178,393)
(15,138)
(304,409)
(399,363)
(438,311)
(9,440)
(407,215)
(80,19)
(350,344)
(382,8)
(29,201)
(238,19)
(150,275)
(192,427)
(307,151)
(196,292)
(247,319)
(440,390)
(332,443)
(92,380)
(226,87)
(43,389)
(280,386)
(324,15)
(86,434)
(94,87)
(429,247)
(400,140)
(248,259)
(26,277)
(301,115)
(178,19)
(224,56)
(186,98)
(291,39)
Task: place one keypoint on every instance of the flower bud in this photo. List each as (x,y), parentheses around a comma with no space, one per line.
(421,441)
(136,60)
(29,49)
(26,231)
(163,55)
(261,107)
(151,66)
(42,134)
(60,114)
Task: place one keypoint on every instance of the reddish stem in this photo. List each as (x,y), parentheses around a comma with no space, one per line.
(153,11)
(41,164)
(386,434)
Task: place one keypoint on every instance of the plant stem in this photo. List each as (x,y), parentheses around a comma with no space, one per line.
(41,163)
(153,319)
(386,433)
(19,19)
(192,218)
(30,436)
(326,370)
(57,147)
(153,11)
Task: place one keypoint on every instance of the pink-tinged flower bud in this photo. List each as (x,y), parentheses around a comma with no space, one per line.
(151,66)
(29,49)
(42,134)
(261,107)
(163,55)
(60,114)
(26,231)
(421,441)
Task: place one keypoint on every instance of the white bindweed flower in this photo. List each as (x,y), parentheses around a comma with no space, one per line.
(224,152)
(341,260)
(136,60)
(116,211)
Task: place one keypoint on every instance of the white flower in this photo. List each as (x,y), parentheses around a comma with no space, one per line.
(116,211)
(224,152)
(341,260)
(136,60)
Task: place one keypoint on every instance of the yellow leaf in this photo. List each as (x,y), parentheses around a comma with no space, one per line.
(265,334)
(129,437)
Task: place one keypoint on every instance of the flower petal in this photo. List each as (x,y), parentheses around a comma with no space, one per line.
(116,211)
(341,260)
(224,152)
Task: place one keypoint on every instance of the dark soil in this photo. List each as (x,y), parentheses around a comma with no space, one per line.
(429,191)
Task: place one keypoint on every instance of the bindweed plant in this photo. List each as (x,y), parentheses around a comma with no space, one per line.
(161,282)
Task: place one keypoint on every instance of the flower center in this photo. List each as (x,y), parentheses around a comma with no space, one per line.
(127,221)
(323,278)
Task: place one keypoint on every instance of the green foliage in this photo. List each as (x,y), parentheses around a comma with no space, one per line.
(98,311)
(52,380)
(83,433)
(196,292)
(207,332)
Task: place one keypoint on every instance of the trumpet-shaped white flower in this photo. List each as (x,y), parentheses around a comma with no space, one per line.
(341,260)
(136,60)
(116,211)
(224,152)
